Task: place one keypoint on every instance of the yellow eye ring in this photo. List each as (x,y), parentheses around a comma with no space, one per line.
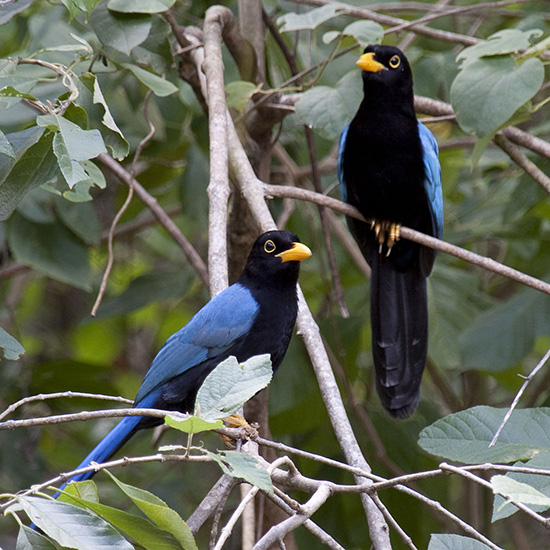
(395,61)
(269,247)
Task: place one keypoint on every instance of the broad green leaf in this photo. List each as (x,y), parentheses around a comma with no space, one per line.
(502,42)
(35,166)
(455,542)
(364,31)
(327,110)
(11,9)
(73,141)
(159,513)
(143,531)
(122,32)
(72,144)
(71,526)
(192,424)
(51,249)
(230,385)
(80,218)
(518,491)
(159,86)
(488,91)
(114,139)
(6,147)
(502,336)
(13,350)
(29,539)
(244,466)
(19,142)
(76,6)
(310,19)
(537,481)
(140,6)
(465,436)
(239,92)
(10,91)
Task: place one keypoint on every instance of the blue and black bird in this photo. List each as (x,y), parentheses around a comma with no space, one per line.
(388,168)
(254,316)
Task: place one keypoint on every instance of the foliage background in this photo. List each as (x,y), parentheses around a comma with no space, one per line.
(484,329)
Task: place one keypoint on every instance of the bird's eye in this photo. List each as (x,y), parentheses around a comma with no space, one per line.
(269,247)
(395,61)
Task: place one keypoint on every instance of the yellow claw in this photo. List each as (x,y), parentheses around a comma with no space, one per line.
(386,232)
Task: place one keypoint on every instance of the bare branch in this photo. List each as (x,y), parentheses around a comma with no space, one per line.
(528,379)
(410,234)
(68,394)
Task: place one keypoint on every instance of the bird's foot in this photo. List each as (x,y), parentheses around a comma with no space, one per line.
(237,421)
(386,232)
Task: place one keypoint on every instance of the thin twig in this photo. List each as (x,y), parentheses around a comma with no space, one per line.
(528,379)
(124,207)
(65,394)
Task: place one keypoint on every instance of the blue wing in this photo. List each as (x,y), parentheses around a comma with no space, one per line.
(211,332)
(432,182)
(340,168)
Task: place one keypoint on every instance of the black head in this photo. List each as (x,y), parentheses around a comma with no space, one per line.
(275,259)
(386,71)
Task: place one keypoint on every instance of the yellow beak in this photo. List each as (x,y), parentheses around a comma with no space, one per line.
(367,63)
(297,253)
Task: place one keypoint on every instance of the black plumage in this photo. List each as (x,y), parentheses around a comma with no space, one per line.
(254,316)
(388,169)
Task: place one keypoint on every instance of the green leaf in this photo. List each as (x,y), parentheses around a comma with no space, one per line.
(455,542)
(310,19)
(488,91)
(13,350)
(6,147)
(73,141)
(122,32)
(230,385)
(51,249)
(71,526)
(465,436)
(11,9)
(115,139)
(244,466)
(29,539)
(502,336)
(158,512)
(80,218)
(140,6)
(502,42)
(10,91)
(364,31)
(518,491)
(239,92)
(35,166)
(327,110)
(537,481)
(143,531)
(192,424)
(159,86)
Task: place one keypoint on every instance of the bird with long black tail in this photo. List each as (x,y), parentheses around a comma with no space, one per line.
(254,316)
(388,168)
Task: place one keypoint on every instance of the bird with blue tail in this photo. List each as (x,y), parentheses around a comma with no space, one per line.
(254,316)
(388,168)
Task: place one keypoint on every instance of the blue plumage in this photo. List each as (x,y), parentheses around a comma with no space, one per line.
(254,316)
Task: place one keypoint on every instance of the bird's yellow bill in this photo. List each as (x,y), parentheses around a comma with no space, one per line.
(297,253)
(368,63)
